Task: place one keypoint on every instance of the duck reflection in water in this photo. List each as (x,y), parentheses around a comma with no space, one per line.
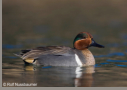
(61,76)
(84,76)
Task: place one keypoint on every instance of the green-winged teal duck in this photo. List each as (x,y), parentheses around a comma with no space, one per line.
(62,55)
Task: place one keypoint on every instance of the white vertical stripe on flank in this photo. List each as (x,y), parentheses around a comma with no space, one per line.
(78,60)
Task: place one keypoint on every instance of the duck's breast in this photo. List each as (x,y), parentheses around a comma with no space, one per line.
(86,57)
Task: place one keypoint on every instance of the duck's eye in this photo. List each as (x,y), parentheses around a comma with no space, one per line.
(85,35)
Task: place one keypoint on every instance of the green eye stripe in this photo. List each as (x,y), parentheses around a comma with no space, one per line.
(80,36)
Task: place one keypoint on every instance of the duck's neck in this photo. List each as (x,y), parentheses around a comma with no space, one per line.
(89,58)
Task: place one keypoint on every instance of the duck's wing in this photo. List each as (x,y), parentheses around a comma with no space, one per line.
(49,50)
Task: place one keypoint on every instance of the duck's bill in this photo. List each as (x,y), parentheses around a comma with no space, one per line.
(96,44)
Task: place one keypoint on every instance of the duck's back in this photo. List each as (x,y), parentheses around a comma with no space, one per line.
(50,55)
(57,56)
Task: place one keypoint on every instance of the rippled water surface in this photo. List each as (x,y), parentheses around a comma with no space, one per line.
(27,25)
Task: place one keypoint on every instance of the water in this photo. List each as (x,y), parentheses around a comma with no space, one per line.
(26,27)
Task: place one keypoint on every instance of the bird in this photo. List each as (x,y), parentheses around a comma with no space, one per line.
(53,55)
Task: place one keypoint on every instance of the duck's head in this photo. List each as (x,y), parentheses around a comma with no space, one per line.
(84,40)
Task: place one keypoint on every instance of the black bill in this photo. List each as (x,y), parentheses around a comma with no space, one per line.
(96,44)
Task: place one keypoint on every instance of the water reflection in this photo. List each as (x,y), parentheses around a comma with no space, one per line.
(60,76)
(65,76)
(84,76)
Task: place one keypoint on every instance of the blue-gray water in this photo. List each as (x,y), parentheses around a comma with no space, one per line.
(27,25)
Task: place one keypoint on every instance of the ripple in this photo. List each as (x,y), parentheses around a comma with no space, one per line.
(108,63)
(97,65)
(12,57)
(116,60)
(111,54)
(121,65)
(8,46)
(47,67)
(104,63)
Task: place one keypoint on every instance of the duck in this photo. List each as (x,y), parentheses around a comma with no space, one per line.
(52,55)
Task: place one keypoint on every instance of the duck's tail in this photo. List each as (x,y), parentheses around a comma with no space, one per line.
(26,61)
(19,55)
